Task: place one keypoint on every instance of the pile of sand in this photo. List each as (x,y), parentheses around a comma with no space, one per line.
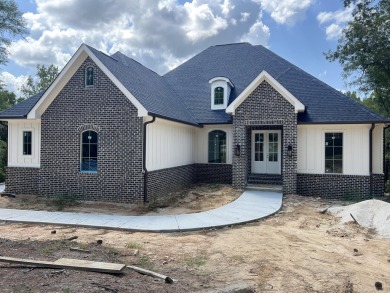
(371,214)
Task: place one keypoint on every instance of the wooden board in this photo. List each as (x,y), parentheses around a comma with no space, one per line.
(72,264)
(95,266)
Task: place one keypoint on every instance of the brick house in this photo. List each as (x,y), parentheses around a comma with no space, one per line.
(110,129)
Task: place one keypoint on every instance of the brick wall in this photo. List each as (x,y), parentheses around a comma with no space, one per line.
(265,108)
(214,173)
(102,108)
(21,180)
(162,182)
(339,186)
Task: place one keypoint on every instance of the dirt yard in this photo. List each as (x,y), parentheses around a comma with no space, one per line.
(297,250)
(201,197)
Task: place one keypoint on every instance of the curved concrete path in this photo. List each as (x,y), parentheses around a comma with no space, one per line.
(252,205)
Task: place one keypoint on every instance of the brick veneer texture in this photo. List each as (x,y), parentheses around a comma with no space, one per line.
(102,108)
(162,182)
(339,186)
(266,108)
(214,173)
(21,180)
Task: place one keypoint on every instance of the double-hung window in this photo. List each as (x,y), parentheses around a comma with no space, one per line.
(334,152)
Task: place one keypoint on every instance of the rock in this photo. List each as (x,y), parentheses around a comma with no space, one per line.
(99,241)
(135,252)
(165,262)
(53,232)
(378,286)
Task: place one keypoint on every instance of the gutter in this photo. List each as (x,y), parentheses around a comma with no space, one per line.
(144,170)
(370,151)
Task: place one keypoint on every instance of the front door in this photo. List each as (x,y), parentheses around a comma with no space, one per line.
(266,155)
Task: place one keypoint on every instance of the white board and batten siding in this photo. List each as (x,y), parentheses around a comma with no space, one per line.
(16,158)
(168,144)
(311,148)
(202,142)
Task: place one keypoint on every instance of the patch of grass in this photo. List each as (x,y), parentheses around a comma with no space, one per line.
(61,202)
(54,247)
(196,261)
(84,246)
(134,245)
(145,262)
(112,250)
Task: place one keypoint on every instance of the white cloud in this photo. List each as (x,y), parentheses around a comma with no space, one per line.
(13,83)
(286,11)
(335,21)
(258,34)
(153,32)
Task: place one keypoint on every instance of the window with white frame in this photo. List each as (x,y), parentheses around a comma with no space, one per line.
(334,152)
(27,140)
(217,146)
(89,151)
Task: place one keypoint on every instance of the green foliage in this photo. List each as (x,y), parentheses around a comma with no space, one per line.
(12,25)
(364,50)
(44,77)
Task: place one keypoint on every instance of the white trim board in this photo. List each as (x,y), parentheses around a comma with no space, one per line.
(265,76)
(65,75)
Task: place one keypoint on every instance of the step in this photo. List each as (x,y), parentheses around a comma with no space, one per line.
(265,187)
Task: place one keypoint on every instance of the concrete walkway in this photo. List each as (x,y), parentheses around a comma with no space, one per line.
(252,205)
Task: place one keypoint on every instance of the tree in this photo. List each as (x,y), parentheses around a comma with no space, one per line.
(364,50)
(44,77)
(12,25)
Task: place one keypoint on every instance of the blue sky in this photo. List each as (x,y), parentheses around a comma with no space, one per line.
(163,33)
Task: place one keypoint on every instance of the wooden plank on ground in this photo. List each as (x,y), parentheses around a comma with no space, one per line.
(72,264)
(103,267)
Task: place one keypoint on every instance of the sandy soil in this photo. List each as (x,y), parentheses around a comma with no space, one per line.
(297,250)
(201,197)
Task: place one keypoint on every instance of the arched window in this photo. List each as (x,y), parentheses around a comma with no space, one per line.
(89,76)
(89,151)
(218,96)
(217,146)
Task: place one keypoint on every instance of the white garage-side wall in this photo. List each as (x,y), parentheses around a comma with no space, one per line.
(168,144)
(202,140)
(311,148)
(15,143)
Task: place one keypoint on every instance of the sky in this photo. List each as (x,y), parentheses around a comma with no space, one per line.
(162,34)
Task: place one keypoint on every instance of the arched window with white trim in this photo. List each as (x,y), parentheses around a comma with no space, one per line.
(89,151)
(217,146)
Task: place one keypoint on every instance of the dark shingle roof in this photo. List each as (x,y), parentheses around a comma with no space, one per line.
(184,94)
(149,88)
(21,109)
(242,63)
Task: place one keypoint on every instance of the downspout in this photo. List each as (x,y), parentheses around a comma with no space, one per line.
(144,170)
(370,151)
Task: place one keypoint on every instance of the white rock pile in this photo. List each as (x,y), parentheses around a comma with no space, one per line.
(371,214)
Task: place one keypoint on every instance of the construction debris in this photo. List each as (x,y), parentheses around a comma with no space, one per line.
(79,249)
(152,274)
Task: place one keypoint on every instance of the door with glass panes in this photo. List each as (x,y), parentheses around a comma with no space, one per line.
(266,152)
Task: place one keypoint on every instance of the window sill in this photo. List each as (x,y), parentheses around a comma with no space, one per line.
(88,172)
